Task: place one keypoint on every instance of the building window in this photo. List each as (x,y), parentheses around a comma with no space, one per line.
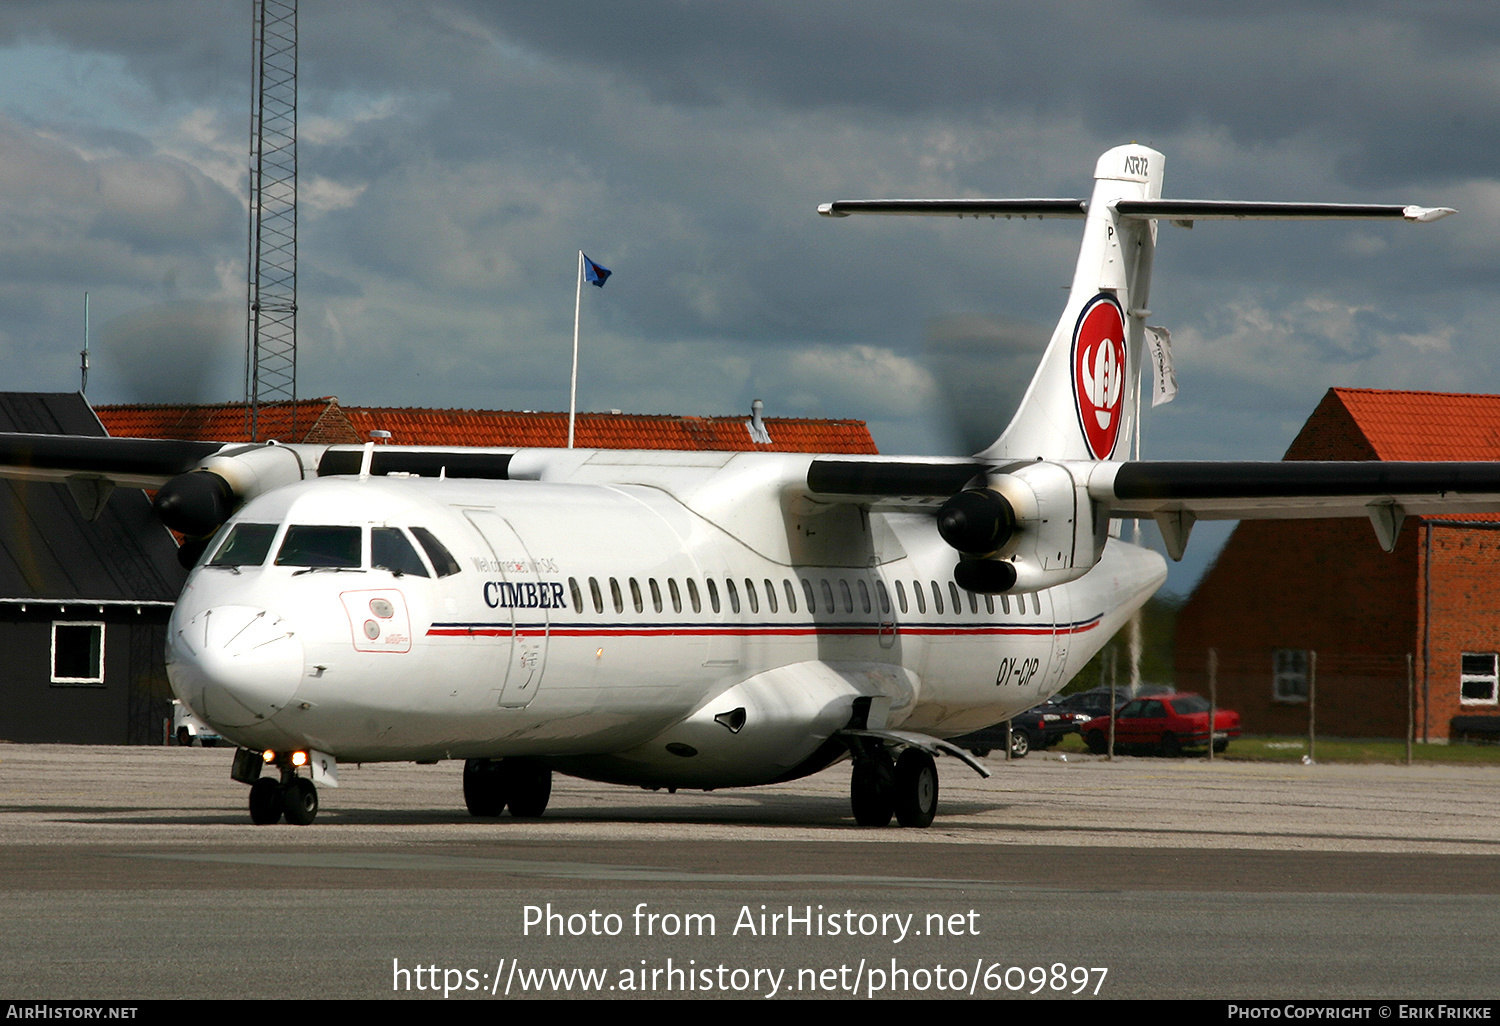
(1478,683)
(1289,677)
(77,653)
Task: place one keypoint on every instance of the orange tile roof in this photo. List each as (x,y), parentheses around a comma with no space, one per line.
(1369,423)
(1426,425)
(325,421)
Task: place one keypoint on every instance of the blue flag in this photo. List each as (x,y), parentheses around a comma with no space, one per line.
(593,273)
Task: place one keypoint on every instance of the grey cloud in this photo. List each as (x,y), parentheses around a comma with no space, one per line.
(179,352)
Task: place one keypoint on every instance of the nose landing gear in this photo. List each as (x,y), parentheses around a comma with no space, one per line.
(291,796)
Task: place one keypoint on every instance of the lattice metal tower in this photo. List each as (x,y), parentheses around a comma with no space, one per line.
(271,325)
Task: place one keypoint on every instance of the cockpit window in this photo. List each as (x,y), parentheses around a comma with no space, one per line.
(389,550)
(245,545)
(442,560)
(310,545)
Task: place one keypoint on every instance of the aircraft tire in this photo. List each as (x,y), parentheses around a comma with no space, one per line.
(529,786)
(916,790)
(872,793)
(484,787)
(265,802)
(299,800)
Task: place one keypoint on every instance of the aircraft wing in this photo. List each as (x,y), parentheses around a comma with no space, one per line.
(1176,494)
(130,462)
(891,484)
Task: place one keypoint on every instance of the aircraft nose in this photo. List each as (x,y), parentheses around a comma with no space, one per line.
(235,665)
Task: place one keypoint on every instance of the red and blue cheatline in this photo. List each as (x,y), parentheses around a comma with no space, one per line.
(594,274)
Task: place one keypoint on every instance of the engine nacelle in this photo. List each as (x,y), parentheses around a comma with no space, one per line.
(197,503)
(1031,527)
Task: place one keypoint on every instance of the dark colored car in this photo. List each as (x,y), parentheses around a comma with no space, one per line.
(1095,701)
(1039,727)
(1165,724)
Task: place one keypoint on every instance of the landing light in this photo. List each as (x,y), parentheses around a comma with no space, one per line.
(299,758)
(268,756)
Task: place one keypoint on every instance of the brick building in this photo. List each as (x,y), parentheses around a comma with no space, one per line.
(1282,590)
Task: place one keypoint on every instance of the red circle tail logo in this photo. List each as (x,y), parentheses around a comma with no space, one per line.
(1099,373)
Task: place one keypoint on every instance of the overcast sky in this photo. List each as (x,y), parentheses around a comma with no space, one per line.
(456,155)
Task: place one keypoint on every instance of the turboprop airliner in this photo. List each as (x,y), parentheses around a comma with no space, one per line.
(707,619)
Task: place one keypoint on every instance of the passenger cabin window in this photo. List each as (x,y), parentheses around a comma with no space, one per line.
(389,550)
(885,597)
(916,593)
(807,593)
(770,595)
(596,595)
(791,595)
(734,596)
(655,593)
(442,560)
(635,596)
(576,593)
(750,595)
(901,596)
(693,596)
(937,598)
(827,595)
(310,545)
(713,595)
(614,594)
(245,545)
(676,595)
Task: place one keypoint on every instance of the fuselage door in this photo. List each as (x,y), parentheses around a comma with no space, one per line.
(516,593)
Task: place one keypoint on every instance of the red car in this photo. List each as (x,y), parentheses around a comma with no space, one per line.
(1165,724)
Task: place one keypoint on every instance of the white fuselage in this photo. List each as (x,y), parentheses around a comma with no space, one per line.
(684,624)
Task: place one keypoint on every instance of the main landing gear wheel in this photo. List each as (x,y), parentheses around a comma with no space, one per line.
(484,787)
(265,802)
(528,785)
(872,791)
(916,790)
(299,800)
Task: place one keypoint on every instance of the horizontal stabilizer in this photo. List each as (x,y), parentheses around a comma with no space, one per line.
(1075,208)
(1239,210)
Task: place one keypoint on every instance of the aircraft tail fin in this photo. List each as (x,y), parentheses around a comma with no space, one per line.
(1083,400)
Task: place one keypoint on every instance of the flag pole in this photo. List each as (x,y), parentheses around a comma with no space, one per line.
(573,387)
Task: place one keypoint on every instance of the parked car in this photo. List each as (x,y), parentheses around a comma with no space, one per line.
(1039,727)
(1166,724)
(1095,701)
(188,730)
